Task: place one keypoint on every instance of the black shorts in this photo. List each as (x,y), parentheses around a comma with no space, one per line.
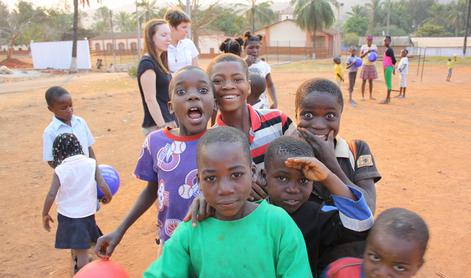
(76,233)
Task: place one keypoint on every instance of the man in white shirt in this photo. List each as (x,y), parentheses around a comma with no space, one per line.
(182,52)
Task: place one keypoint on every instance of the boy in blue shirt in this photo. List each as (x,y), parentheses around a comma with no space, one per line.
(59,102)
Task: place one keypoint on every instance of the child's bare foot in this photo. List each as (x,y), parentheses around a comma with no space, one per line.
(353,103)
(372,98)
(386,101)
(398,96)
(363,99)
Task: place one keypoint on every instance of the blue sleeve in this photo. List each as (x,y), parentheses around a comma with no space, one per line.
(47,146)
(145,165)
(354,215)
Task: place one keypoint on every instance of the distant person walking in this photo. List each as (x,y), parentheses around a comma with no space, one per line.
(368,71)
(182,52)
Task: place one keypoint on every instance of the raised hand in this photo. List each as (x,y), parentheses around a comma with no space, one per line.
(312,168)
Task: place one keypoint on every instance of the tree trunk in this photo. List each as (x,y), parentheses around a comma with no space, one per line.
(73,63)
(314,45)
(196,37)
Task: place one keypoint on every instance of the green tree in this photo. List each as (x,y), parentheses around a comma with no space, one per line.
(356,24)
(102,18)
(374,9)
(358,10)
(258,14)
(125,22)
(429,29)
(313,16)
(148,8)
(19,21)
(229,23)
(350,39)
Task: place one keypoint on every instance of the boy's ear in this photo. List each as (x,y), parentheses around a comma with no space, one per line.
(50,108)
(170,107)
(263,177)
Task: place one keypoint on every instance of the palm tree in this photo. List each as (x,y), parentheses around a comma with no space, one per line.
(456,15)
(73,63)
(357,10)
(125,22)
(313,16)
(258,14)
(374,8)
(148,8)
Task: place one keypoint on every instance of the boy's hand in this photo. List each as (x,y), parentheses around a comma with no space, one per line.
(199,211)
(258,192)
(324,149)
(46,220)
(106,244)
(105,200)
(312,168)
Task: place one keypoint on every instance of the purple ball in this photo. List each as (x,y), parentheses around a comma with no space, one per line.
(358,62)
(372,56)
(111,176)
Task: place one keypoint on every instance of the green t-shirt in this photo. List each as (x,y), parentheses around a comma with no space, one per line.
(265,243)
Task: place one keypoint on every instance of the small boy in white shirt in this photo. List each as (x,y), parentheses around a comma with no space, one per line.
(403,70)
(59,102)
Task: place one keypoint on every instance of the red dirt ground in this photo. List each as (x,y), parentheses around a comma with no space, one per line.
(421,145)
(13,63)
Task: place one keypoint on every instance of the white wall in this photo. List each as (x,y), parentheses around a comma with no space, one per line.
(58,55)
(442,51)
(287,34)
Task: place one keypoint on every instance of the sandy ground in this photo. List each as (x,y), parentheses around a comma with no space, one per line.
(421,145)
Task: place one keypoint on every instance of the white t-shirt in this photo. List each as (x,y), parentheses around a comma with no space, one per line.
(404,65)
(262,68)
(78,127)
(181,55)
(364,48)
(77,196)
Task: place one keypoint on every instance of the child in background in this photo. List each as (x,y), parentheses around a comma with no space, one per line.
(257,87)
(243,239)
(352,74)
(74,185)
(252,45)
(396,248)
(338,71)
(168,159)
(229,74)
(59,102)
(231,45)
(389,63)
(290,169)
(368,71)
(450,64)
(403,70)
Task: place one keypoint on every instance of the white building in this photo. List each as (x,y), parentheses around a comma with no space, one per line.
(440,46)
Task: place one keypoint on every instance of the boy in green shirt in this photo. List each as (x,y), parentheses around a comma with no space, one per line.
(243,239)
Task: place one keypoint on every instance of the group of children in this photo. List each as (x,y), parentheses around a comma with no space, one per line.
(266,196)
(369,70)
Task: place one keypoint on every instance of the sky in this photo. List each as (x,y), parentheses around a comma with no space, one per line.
(111,4)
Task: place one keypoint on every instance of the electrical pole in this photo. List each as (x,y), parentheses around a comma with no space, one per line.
(467,28)
(138,18)
(113,41)
(188,12)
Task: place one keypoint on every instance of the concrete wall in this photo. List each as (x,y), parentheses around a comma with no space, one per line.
(286,34)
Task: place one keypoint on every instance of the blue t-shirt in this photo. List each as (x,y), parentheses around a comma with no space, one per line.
(351,60)
(170,160)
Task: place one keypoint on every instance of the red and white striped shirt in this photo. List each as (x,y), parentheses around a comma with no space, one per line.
(265,126)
